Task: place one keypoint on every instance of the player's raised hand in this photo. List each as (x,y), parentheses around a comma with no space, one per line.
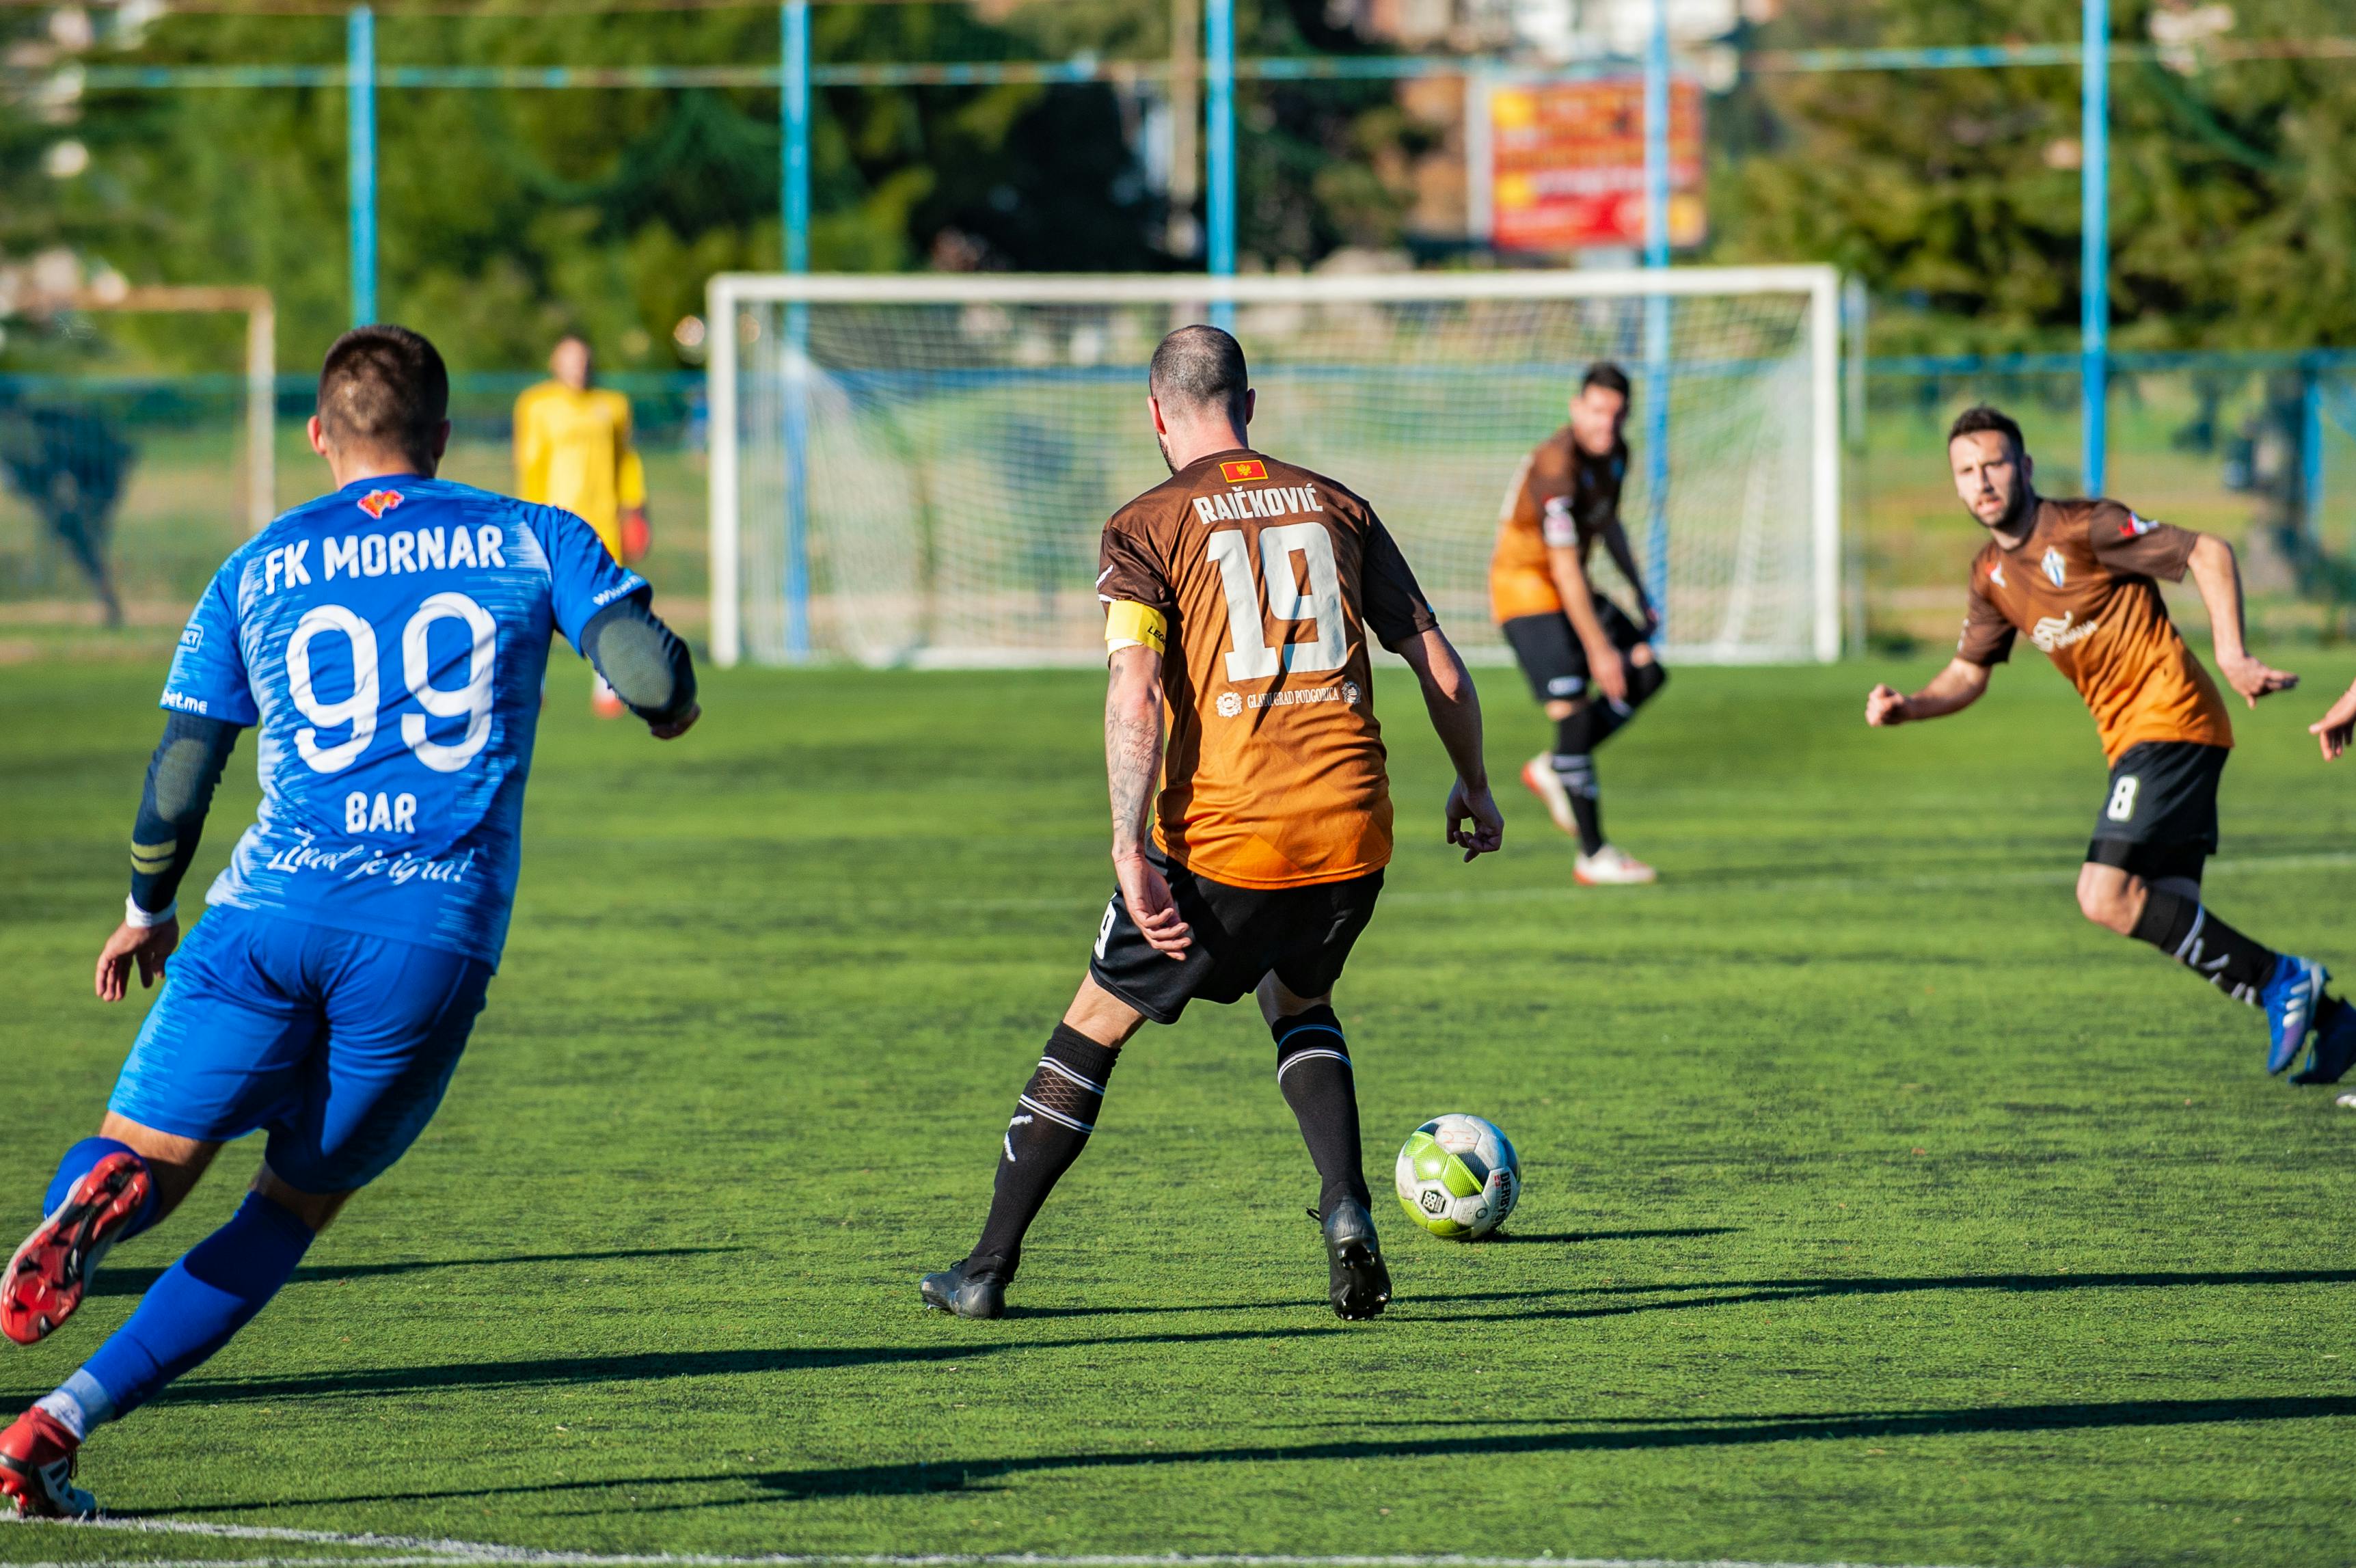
(1147,895)
(1478,808)
(2253,679)
(147,946)
(678,726)
(2336,728)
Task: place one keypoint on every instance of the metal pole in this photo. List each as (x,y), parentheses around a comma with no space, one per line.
(359,95)
(1825,378)
(794,357)
(2095,262)
(1656,139)
(1219,73)
(793,113)
(1656,316)
(720,313)
(2310,451)
(1856,312)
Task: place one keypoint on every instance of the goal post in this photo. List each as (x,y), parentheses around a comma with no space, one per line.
(914,469)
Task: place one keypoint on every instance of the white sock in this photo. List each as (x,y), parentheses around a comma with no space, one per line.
(80,1405)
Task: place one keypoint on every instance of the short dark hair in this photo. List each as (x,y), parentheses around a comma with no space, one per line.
(1981,418)
(385,388)
(1199,367)
(1605,374)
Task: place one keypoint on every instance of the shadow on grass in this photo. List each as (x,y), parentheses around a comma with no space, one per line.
(1529,1238)
(1588,1435)
(1595,1435)
(364,1382)
(137,1282)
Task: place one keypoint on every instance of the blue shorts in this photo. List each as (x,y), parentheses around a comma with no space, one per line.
(339,1043)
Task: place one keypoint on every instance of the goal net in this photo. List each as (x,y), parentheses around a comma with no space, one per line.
(915,469)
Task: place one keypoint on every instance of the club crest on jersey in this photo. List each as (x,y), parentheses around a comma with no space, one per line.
(1230,704)
(2054,571)
(1996,575)
(1240,473)
(376,503)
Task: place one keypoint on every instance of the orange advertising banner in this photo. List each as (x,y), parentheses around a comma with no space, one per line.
(1568,163)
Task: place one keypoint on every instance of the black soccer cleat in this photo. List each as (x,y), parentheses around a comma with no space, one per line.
(1356,1279)
(979,1295)
(2332,1049)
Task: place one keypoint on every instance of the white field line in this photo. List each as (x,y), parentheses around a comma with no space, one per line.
(428,1553)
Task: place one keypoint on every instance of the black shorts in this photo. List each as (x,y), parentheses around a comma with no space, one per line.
(1551,655)
(1301,935)
(2160,816)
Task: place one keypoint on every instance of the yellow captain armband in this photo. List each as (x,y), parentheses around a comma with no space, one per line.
(1130,624)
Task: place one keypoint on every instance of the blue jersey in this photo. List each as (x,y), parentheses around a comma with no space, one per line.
(387,642)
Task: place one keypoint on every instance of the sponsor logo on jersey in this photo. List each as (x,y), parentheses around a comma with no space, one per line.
(2054,570)
(1247,469)
(1230,704)
(1996,575)
(1350,694)
(2054,632)
(376,503)
(184,704)
(192,636)
(1343,694)
(2136,527)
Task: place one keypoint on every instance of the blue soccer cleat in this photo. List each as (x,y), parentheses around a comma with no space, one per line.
(2334,1051)
(2290,998)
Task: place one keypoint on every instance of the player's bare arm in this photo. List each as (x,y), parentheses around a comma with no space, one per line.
(1951,691)
(1615,540)
(1473,821)
(2219,578)
(2335,728)
(1604,665)
(1133,720)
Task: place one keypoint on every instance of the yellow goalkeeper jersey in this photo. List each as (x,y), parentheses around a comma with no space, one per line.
(573,450)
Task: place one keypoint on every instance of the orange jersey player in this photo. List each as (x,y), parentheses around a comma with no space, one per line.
(2076,577)
(1240,597)
(1588,664)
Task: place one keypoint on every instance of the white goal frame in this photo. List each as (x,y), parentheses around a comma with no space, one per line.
(726,292)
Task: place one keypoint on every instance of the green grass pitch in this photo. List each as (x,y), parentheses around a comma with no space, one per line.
(1878,1208)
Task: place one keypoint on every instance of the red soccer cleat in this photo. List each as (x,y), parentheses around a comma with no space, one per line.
(37,1466)
(46,1276)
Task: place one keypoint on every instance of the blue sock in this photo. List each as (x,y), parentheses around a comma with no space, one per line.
(200,1302)
(77,1164)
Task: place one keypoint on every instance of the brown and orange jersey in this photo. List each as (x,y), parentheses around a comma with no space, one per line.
(1561,496)
(2081,588)
(1260,583)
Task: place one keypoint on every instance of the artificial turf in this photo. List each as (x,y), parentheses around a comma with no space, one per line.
(1878,1208)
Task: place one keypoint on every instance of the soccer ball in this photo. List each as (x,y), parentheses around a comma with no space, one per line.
(1458,1177)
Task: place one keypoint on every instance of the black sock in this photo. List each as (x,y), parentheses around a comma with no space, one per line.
(1312,1067)
(1051,1126)
(2186,932)
(1644,680)
(1574,764)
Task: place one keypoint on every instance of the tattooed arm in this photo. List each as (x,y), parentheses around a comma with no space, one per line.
(1132,768)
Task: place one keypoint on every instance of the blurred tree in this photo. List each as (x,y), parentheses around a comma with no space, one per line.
(1955,193)
(508,218)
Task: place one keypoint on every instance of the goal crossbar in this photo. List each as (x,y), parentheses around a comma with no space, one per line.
(728,295)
